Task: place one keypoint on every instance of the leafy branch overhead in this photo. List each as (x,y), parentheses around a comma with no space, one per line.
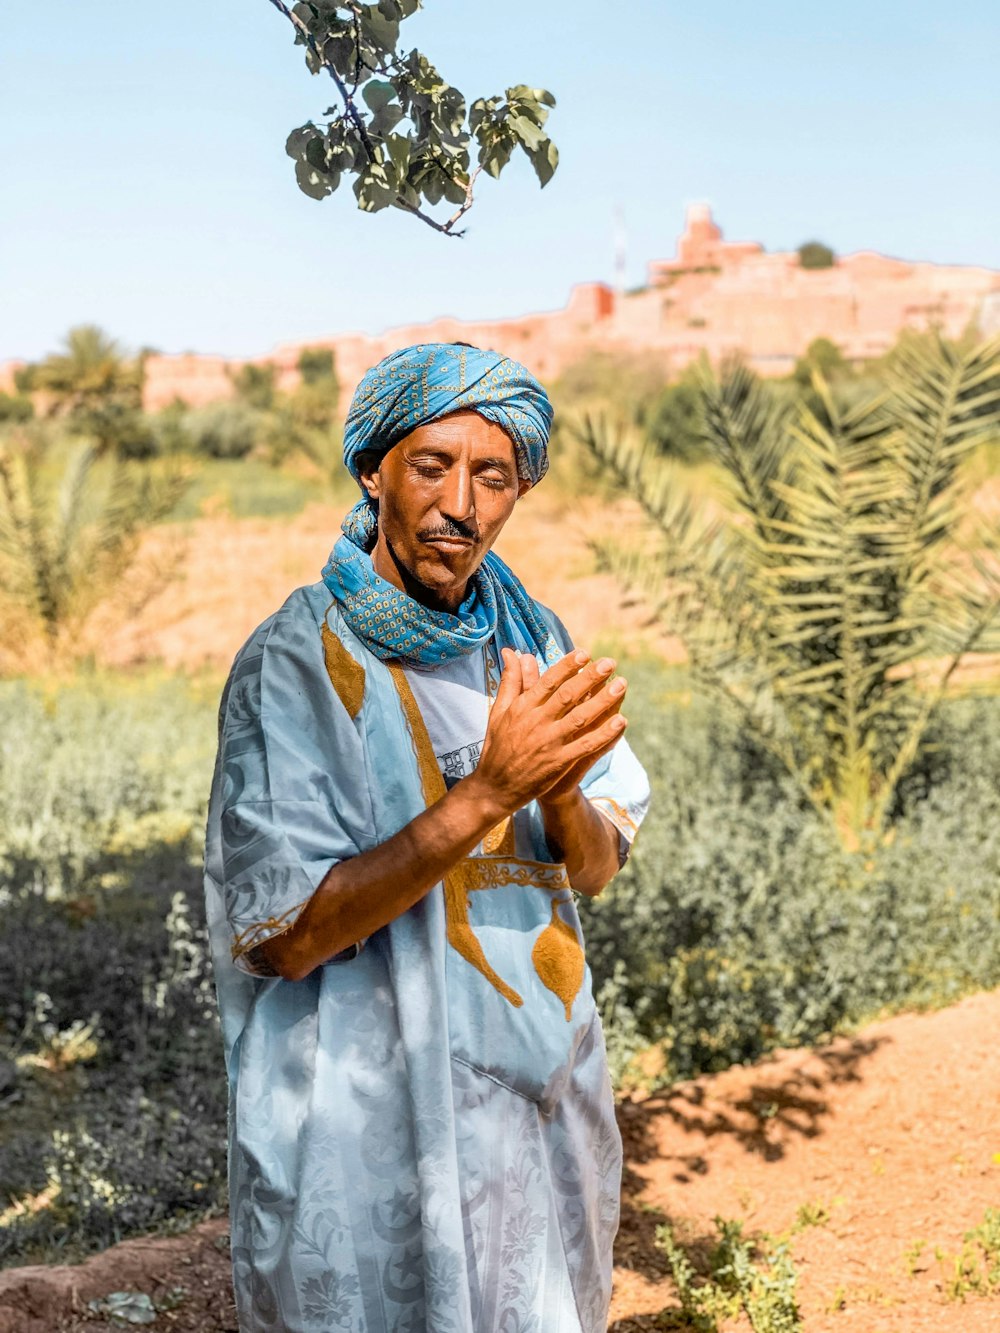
(399,129)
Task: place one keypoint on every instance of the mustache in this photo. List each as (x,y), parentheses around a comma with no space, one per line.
(450,527)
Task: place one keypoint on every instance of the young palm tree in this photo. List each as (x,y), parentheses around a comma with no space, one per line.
(832,607)
(68,536)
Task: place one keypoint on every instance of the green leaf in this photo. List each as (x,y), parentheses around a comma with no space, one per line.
(398,147)
(316,153)
(545,159)
(522,93)
(386,119)
(495,156)
(378,94)
(298,140)
(529,134)
(373,190)
(383,33)
(312,182)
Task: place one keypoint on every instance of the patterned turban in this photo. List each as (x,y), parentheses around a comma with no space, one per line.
(419,384)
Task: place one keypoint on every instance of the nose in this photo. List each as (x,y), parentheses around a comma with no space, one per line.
(457,498)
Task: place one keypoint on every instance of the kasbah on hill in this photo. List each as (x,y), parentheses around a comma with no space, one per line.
(715,297)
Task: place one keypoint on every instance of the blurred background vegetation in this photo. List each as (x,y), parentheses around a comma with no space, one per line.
(824,840)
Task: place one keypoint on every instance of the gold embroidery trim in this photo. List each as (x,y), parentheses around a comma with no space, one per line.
(461,936)
(248,939)
(500,839)
(618,815)
(347,675)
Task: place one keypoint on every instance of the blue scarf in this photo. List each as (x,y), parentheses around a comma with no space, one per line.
(391,624)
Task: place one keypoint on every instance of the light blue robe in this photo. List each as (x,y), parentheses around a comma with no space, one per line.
(408,1150)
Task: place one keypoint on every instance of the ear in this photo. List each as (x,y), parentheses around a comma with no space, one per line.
(523,486)
(371,480)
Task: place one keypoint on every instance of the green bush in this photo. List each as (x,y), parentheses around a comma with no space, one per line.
(223,430)
(16,408)
(108,1034)
(740,924)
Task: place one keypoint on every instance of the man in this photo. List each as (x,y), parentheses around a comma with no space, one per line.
(416,771)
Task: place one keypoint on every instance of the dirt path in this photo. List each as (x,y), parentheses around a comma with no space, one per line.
(893,1132)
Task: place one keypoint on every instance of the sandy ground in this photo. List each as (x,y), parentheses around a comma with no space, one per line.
(893,1131)
(230,574)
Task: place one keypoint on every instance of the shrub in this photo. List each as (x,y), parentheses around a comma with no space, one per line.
(740,923)
(108,1012)
(224,430)
(814,254)
(16,407)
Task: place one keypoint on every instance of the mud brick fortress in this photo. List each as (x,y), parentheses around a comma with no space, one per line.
(716,296)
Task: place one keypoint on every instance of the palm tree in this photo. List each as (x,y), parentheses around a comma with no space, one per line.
(92,384)
(833,605)
(68,535)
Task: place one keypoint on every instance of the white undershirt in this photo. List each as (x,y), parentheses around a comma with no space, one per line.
(454,704)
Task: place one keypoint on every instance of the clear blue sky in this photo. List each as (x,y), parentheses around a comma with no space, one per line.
(145,185)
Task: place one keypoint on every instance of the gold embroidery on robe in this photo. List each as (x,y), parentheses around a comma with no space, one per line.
(556,956)
(618,815)
(249,939)
(347,675)
(559,960)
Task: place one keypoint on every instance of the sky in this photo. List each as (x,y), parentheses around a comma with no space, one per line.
(145,185)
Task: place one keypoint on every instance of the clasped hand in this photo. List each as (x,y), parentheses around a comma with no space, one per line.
(547,729)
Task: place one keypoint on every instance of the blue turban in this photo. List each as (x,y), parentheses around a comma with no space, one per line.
(405,390)
(419,384)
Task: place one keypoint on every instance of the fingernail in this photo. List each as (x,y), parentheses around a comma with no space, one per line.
(617,686)
(606,665)
(581,658)
(618,724)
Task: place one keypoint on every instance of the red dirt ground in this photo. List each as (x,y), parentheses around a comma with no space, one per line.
(893,1130)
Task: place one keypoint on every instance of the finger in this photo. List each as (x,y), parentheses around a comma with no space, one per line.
(510,685)
(595,742)
(589,682)
(575,774)
(593,710)
(558,696)
(529,671)
(558,674)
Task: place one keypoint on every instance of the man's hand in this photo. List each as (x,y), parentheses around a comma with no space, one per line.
(545,731)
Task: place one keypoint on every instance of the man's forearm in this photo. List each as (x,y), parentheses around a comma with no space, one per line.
(580,836)
(360,895)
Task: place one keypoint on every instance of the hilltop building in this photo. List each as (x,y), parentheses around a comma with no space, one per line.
(714,297)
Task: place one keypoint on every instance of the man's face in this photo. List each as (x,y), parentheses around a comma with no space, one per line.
(443,492)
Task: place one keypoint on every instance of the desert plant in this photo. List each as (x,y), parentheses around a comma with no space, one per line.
(69,533)
(96,389)
(757,1278)
(814,607)
(224,430)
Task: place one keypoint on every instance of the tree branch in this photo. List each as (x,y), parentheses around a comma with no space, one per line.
(362,130)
